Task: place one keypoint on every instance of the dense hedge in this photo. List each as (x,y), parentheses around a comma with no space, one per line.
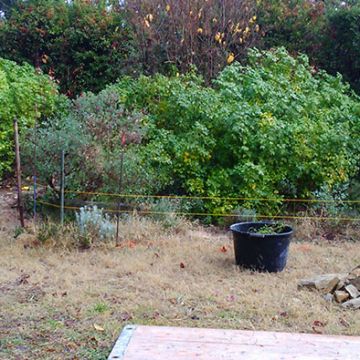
(25,95)
(327,31)
(86,45)
(82,44)
(341,47)
(274,128)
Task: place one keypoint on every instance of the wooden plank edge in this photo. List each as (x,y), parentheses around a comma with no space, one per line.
(118,351)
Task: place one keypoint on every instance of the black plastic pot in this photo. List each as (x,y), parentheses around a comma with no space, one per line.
(262,252)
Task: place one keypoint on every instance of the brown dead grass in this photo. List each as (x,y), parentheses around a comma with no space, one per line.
(50,299)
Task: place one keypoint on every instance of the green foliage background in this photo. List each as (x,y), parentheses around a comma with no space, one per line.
(80,43)
(271,129)
(341,45)
(26,96)
(86,45)
(268,126)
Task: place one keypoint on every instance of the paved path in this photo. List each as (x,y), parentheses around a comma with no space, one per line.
(170,343)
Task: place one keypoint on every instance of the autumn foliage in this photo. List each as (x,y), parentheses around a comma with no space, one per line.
(205,33)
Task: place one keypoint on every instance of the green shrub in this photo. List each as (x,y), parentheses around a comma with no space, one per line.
(271,129)
(93,136)
(93,225)
(25,95)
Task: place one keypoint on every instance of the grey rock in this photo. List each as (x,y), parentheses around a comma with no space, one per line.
(353,291)
(352,304)
(325,283)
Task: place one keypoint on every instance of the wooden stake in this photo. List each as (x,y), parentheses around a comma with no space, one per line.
(62,186)
(18,174)
(120,191)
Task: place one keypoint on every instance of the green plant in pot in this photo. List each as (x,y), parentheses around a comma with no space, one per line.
(261,246)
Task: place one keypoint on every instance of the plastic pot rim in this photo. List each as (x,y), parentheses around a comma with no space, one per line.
(233,228)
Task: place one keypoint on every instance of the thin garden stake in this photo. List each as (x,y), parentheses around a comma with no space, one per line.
(62,186)
(34,169)
(35,198)
(18,173)
(123,143)
(120,191)
(34,161)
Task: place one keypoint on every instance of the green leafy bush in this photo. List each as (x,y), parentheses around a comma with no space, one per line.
(271,129)
(25,95)
(93,135)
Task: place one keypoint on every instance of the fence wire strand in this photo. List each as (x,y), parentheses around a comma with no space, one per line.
(188,197)
(150,212)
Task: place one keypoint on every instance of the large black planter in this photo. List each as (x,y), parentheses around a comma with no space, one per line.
(262,252)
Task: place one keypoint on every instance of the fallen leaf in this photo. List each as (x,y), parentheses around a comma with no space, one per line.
(125,316)
(155,315)
(128,244)
(23,279)
(72,346)
(223,249)
(344,323)
(231,298)
(98,328)
(304,248)
(316,330)
(318,323)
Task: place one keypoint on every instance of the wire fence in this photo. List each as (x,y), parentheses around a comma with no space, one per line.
(208,214)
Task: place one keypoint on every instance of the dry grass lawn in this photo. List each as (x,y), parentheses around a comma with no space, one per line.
(58,304)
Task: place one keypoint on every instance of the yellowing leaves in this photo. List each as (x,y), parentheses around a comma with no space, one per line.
(149,17)
(199,30)
(218,37)
(167,7)
(230,58)
(45,59)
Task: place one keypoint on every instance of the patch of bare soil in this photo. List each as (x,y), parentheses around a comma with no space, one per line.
(8,214)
